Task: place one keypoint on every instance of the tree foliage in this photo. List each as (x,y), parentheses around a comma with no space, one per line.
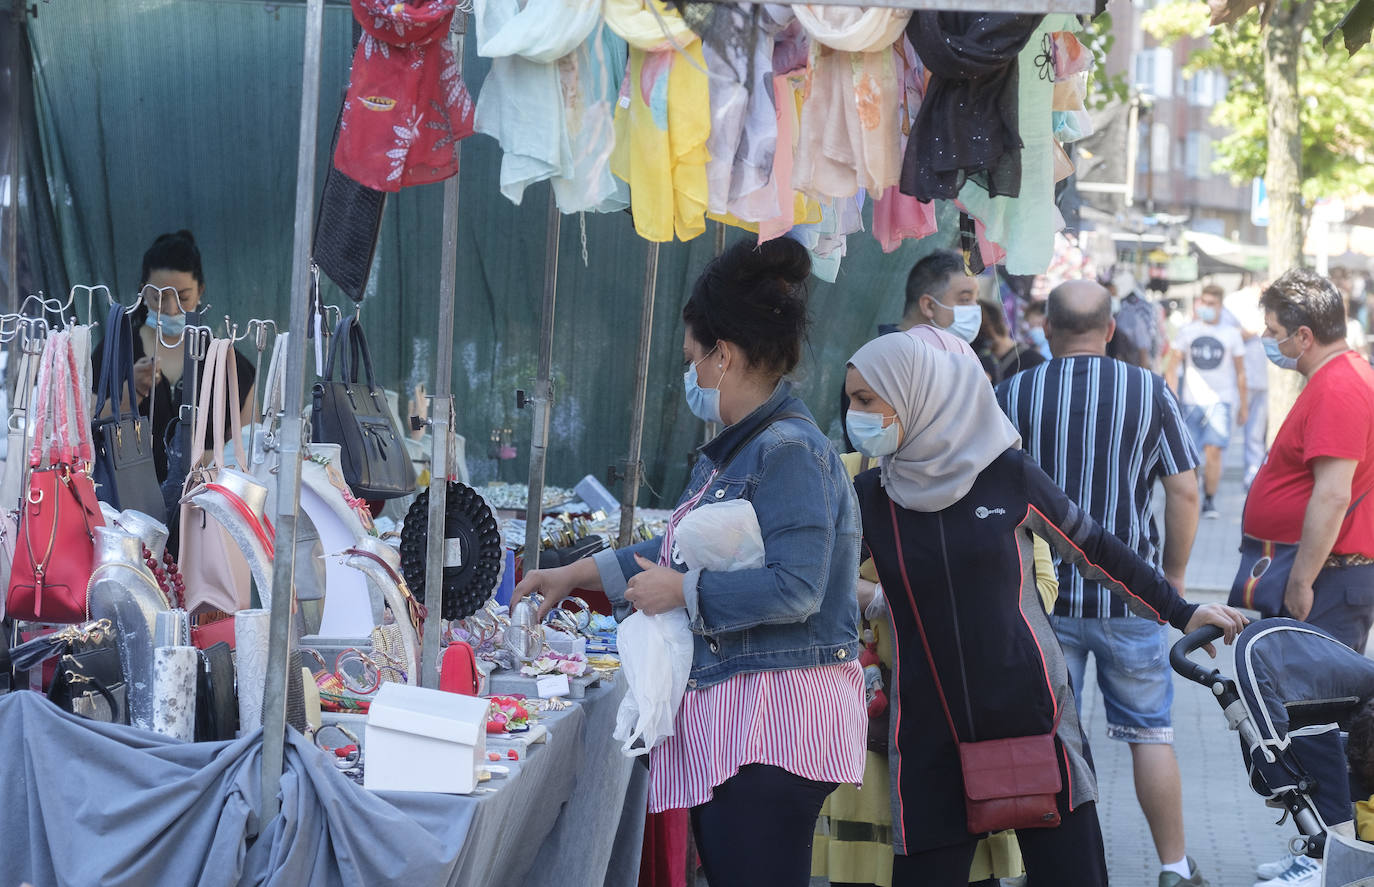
(1337,113)
(1105,89)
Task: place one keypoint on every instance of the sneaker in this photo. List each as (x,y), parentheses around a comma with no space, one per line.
(1270,870)
(1209,510)
(1304,872)
(1174,879)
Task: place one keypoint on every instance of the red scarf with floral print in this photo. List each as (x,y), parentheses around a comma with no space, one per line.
(407,106)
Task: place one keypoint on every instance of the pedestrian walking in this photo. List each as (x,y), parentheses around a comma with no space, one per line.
(1242,311)
(947,519)
(1106,431)
(1213,391)
(1313,489)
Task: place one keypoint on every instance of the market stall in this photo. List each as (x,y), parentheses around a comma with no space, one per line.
(690,83)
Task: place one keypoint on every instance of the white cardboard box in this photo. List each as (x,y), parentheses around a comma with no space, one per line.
(421,740)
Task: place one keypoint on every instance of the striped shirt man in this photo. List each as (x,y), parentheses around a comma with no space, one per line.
(1105,431)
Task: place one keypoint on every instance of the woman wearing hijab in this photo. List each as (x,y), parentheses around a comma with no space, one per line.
(947,518)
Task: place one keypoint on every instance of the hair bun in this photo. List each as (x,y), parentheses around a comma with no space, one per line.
(781,258)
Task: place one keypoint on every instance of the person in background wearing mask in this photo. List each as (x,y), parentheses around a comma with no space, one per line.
(1034,314)
(1001,355)
(774,715)
(1213,360)
(172,283)
(941,293)
(1313,488)
(1243,312)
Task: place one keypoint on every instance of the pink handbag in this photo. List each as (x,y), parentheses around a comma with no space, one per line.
(216,572)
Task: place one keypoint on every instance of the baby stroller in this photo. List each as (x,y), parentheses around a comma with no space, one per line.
(1295,690)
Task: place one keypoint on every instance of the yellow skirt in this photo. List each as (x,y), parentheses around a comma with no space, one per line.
(854,836)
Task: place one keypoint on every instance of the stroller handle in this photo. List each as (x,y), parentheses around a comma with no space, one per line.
(1189,643)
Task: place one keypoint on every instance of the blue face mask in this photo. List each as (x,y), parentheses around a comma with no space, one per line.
(1206,314)
(1042,344)
(703,402)
(1277,357)
(173,325)
(868,435)
(968,320)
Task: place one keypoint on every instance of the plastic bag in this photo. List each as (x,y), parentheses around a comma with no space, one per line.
(655,658)
(722,537)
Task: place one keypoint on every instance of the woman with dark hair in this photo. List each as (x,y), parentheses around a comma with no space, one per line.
(172,284)
(774,717)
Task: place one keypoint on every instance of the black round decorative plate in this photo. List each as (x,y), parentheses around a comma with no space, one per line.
(472,550)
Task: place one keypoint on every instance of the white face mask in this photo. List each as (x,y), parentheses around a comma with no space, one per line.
(968,320)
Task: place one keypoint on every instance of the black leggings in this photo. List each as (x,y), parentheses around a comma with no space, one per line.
(758,828)
(1070,854)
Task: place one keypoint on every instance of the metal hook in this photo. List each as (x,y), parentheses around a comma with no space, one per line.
(260,335)
(231,330)
(338,312)
(90,299)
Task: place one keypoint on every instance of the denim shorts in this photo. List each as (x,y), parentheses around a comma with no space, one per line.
(1132,657)
(1209,426)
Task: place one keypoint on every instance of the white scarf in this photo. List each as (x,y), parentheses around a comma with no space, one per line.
(853,29)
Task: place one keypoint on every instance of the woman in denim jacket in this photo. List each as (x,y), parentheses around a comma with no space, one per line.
(773,718)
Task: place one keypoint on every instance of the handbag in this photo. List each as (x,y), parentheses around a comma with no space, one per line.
(354,414)
(217,708)
(215,571)
(1009,783)
(55,542)
(124,471)
(89,678)
(1262,577)
(16,462)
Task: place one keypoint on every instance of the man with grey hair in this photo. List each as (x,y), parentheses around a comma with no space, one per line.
(1105,431)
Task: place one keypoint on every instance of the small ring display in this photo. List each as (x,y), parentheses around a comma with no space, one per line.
(473,550)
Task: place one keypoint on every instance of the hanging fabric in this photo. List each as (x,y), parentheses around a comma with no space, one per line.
(662,121)
(850,134)
(968,125)
(407,106)
(1025,226)
(898,216)
(549,99)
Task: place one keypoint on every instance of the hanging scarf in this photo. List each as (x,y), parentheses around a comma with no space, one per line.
(898,216)
(407,106)
(968,122)
(548,100)
(662,121)
(952,428)
(850,136)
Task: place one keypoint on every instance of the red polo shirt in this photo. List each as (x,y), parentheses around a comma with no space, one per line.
(1333,416)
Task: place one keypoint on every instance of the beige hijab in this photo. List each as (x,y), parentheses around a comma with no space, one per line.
(952,427)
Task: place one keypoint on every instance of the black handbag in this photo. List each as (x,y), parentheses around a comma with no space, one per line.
(354,414)
(89,680)
(217,709)
(124,471)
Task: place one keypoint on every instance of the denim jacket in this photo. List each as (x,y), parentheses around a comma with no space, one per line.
(798,610)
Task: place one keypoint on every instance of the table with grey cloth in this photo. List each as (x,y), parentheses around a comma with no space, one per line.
(83,803)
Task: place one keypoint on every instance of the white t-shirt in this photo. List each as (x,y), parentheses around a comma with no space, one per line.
(1243,310)
(1209,363)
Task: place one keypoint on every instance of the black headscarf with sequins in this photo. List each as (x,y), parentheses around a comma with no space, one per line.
(967,125)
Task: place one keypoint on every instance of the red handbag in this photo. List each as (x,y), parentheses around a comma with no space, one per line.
(55,546)
(458,670)
(1010,783)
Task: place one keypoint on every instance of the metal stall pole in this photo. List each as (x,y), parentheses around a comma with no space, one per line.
(634,465)
(289,475)
(542,399)
(441,414)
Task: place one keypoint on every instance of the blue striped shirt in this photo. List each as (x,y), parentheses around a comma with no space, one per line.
(1104,431)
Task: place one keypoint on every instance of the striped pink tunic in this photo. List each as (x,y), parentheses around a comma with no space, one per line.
(811,722)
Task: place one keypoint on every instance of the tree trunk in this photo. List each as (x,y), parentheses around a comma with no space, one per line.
(1283,170)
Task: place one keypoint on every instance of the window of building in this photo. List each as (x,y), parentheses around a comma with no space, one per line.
(1154,72)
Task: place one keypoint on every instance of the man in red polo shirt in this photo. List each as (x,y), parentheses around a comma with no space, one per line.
(1312,487)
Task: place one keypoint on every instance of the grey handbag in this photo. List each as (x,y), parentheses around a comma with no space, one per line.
(124,471)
